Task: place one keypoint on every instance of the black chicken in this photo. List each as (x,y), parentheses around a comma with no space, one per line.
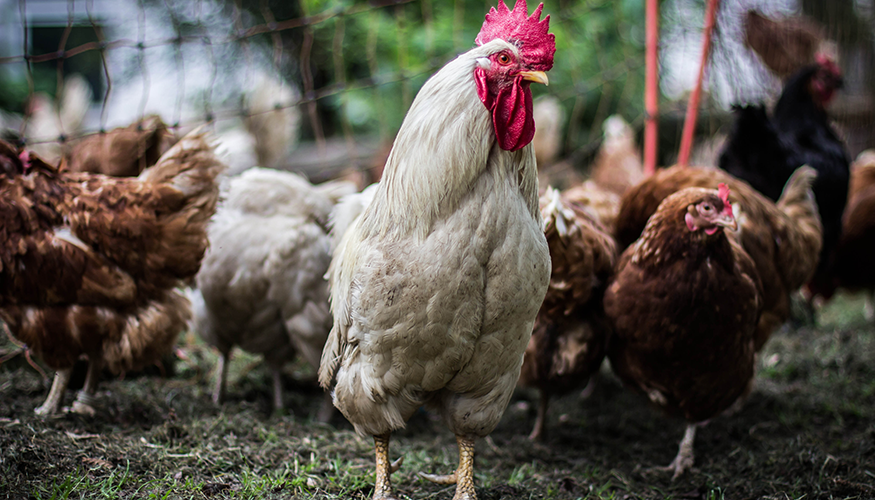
(765,152)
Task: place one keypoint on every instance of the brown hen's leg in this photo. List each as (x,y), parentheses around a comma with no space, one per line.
(869,306)
(463,477)
(221,376)
(84,404)
(326,409)
(276,375)
(56,395)
(739,403)
(684,458)
(382,484)
(539,433)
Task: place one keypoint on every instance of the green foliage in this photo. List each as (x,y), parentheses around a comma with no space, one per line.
(110,487)
(598,67)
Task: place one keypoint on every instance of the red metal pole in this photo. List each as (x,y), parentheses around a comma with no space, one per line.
(693,107)
(651,87)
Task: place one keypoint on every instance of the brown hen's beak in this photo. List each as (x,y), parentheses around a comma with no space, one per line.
(727,221)
(535,76)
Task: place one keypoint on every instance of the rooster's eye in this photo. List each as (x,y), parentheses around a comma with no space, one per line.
(706,207)
(503,59)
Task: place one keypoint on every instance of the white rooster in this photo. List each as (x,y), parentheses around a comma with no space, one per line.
(435,287)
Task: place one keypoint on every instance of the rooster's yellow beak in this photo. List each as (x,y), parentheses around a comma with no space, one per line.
(535,76)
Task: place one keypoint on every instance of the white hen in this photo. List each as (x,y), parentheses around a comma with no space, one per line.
(261,285)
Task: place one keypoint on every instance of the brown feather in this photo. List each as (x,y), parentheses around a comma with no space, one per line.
(599,203)
(617,166)
(684,307)
(124,339)
(123,152)
(857,245)
(783,240)
(88,263)
(784,46)
(570,335)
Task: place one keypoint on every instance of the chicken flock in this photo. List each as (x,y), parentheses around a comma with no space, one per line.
(455,279)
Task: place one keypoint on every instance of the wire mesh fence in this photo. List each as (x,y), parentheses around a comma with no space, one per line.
(341,73)
(350,69)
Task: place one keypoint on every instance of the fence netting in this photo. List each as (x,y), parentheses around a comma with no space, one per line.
(329,81)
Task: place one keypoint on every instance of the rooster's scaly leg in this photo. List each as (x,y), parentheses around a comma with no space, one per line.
(463,477)
(465,472)
(56,395)
(382,484)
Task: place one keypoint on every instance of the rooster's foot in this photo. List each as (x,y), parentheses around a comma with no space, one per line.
(463,477)
(439,479)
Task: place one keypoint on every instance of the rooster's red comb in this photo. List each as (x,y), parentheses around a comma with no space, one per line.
(723,190)
(528,33)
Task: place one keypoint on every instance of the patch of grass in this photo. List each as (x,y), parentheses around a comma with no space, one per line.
(843,312)
(807,431)
(108,487)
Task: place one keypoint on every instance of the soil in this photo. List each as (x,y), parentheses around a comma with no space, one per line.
(807,431)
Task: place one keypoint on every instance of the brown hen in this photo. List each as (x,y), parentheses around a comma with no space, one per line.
(785,45)
(599,203)
(684,305)
(570,333)
(618,166)
(123,152)
(782,238)
(89,263)
(857,244)
(616,169)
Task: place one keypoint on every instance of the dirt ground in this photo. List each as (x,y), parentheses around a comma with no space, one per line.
(807,431)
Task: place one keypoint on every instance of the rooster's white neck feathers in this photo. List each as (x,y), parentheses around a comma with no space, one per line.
(446,142)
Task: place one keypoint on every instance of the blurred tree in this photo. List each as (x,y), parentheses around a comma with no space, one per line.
(598,65)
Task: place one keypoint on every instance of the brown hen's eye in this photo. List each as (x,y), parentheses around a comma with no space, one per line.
(504,59)
(706,207)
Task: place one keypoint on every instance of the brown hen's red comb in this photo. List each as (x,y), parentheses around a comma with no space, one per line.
(24,157)
(723,190)
(827,63)
(528,33)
